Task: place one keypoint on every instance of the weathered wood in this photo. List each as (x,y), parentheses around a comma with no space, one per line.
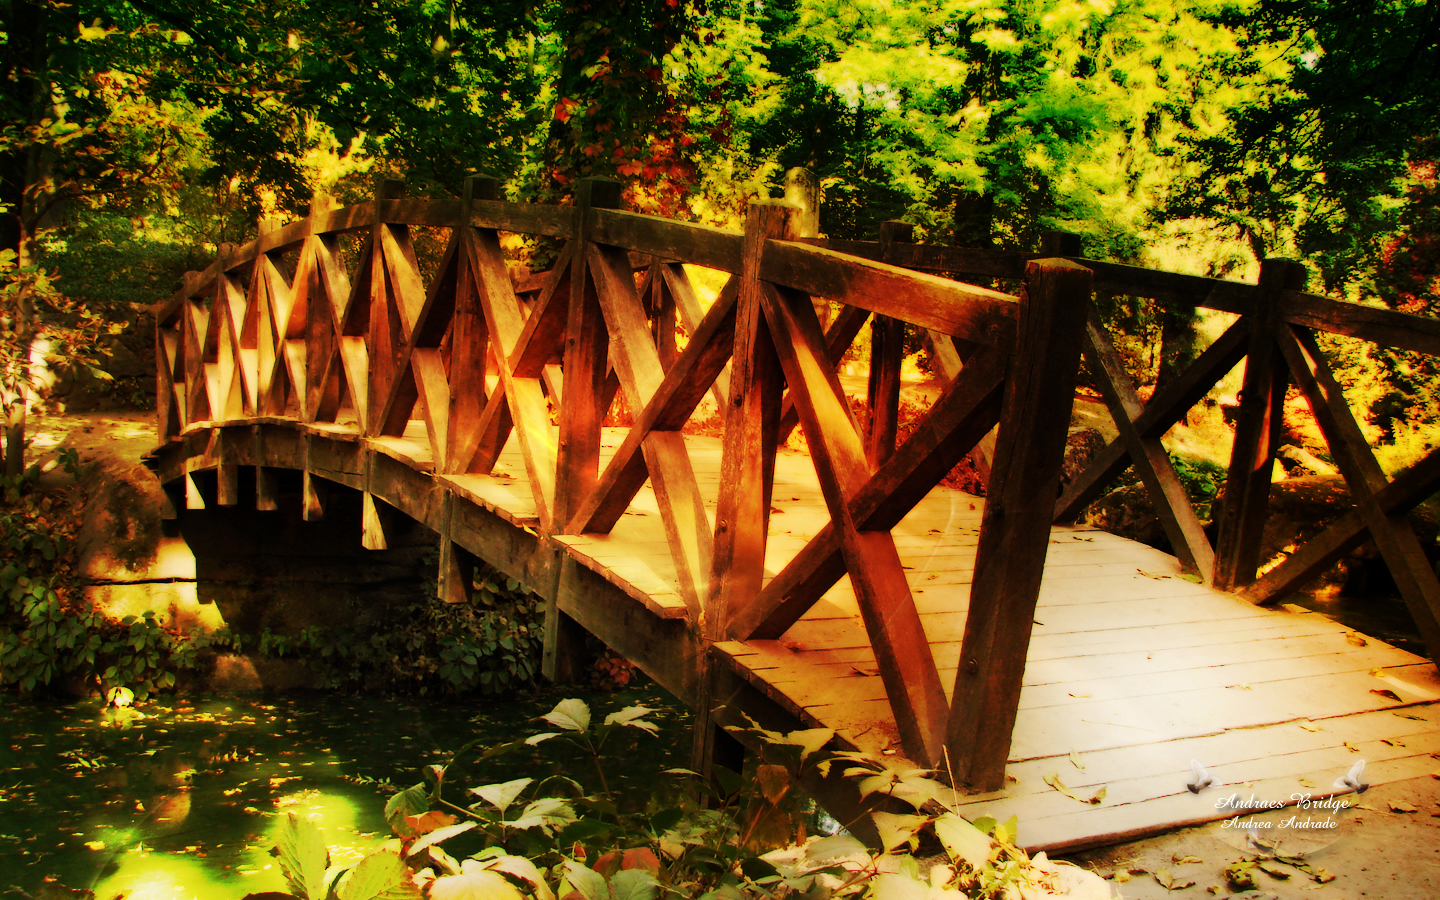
(641,374)
(1382,326)
(586,356)
(687,306)
(668,410)
(967,409)
(1015,528)
(977,314)
(1167,495)
(373,523)
(1409,489)
(701,245)
(1165,408)
(747,464)
(1404,555)
(839,335)
(312,498)
(1258,430)
(906,665)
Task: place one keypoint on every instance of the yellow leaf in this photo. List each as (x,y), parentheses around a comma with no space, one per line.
(1351,747)
(1355,638)
(1309,727)
(1305,782)
(95,845)
(1075,760)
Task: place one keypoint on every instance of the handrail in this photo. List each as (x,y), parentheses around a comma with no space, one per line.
(478,363)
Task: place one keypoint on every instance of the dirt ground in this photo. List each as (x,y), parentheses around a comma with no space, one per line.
(1378,852)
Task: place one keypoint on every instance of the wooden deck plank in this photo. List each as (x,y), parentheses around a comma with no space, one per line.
(1131,666)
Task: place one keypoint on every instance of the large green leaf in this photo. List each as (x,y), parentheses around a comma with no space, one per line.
(438,835)
(379,876)
(412,801)
(303,857)
(633,716)
(634,884)
(897,830)
(475,885)
(893,886)
(570,715)
(963,841)
(503,794)
(586,880)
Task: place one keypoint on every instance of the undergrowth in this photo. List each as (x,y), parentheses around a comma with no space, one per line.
(570,836)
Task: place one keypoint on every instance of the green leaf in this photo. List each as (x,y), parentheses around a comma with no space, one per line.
(303,857)
(502,795)
(634,884)
(570,715)
(586,880)
(631,716)
(892,886)
(841,846)
(897,830)
(474,885)
(964,842)
(379,876)
(438,835)
(412,801)
(526,871)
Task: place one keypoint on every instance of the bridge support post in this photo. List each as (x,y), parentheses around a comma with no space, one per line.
(1015,527)
(747,466)
(1257,433)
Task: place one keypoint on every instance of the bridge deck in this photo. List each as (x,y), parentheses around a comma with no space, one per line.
(1132,668)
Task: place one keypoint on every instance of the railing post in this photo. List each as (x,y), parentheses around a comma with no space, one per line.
(587,347)
(1015,527)
(1257,433)
(382,332)
(747,463)
(887,353)
(802,191)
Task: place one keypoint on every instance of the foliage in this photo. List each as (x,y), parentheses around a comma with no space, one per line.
(1202,479)
(553,839)
(489,645)
(1314,162)
(47,630)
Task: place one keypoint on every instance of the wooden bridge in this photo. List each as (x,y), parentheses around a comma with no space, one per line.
(838,587)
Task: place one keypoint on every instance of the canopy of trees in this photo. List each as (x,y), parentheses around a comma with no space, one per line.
(1239,128)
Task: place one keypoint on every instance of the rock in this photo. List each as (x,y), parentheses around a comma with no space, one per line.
(1081,448)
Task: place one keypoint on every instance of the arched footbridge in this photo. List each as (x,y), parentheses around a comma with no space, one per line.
(550,424)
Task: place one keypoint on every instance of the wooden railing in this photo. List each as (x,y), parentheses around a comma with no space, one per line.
(481,355)
(1275,336)
(479,362)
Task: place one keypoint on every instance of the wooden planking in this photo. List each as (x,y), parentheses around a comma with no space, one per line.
(1015,530)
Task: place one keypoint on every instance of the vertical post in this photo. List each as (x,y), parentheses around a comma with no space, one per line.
(747,463)
(802,190)
(1257,433)
(1015,527)
(384,334)
(587,348)
(887,353)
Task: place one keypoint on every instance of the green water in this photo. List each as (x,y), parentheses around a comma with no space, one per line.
(183,800)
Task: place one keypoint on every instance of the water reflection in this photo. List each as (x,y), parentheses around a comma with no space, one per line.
(182,798)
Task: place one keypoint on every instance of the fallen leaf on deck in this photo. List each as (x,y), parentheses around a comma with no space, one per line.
(1323,876)
(1353,637)
(1377,672)
(1309,727)
(1082,696)
(1401,807)
(866,672)
(1170,882)
(1388,695)
(1413,718)
(1242,687)
(1187,860)
(1075,760)
(1192,578)
(1053,779)
(1152,575)
(1305,782)
(1274,870)
(1394,742)
(1351,747)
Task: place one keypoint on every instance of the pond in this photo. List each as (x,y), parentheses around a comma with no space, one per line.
(181,797)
